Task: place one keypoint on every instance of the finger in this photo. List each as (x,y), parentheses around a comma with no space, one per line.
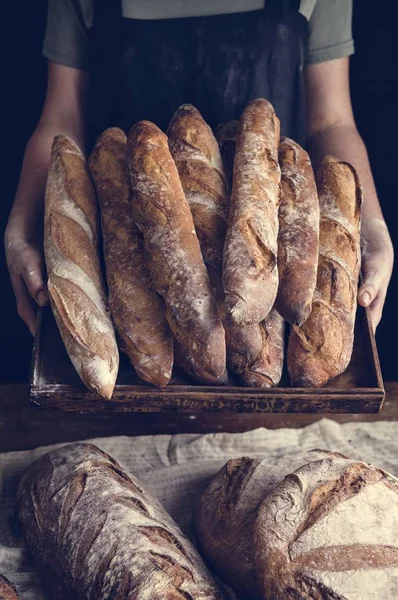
(26,307)
(33,276)
(373,282)
(376,310)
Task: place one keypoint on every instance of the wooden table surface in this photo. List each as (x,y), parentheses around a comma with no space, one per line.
(24,426)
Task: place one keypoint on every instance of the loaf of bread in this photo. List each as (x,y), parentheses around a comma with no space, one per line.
(138,312)
(178,272)
(250,273)
(95,532)
(321,348)
(298,239)
(7,590)
(226,513)
(254,352)
(329,531)
(197,157)
(266,368)
(75,283)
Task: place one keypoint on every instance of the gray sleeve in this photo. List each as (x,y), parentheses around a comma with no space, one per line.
(330,31)
(67,32)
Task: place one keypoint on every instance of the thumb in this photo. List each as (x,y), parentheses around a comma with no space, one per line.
(33,275)
(370,287)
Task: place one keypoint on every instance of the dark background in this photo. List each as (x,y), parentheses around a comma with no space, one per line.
(374,81)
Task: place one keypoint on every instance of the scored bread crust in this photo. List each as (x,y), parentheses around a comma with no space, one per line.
(227,509)
(75,282)
(298,238)
(137,310)
(197,157)
(96,532)
(254,352)
(178,272)
(328,531)
(250,273)
(321,348)
(266,369)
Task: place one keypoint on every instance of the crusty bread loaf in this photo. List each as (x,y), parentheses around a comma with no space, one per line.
(197,157)
(250,273)
(298,239)
(226,512)
(74,275)
(7,590)
(137,310)
(329,531)
(95,532)
(254,352)
(178,272)
(266,368)
(321,348)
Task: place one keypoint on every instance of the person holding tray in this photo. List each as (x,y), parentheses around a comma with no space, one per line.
(113,63)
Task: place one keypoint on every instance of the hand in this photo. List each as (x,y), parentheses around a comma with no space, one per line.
(26,266)
(377,264)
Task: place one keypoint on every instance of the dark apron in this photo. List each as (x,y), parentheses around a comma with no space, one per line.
(145,69)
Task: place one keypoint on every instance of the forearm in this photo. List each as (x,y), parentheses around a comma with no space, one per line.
(29,200)
(27,211)
(345,143)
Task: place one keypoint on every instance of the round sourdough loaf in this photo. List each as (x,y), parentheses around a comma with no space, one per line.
(226,512)
(329,531)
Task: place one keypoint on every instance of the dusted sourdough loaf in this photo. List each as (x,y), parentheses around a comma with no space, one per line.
(162,214)
(137,310)
(75,283)
(7,590)
(329,532)
(298,239)
(321,348)
(254,352)
(95,532)
(250,273)
(197,157)
(226,513)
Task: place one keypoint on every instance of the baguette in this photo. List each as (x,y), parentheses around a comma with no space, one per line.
(298,239)
(178,272)
(75,283)
(329,531)
(7,590)
(197,157)
(225,514)
(321,348)
(96,532)
(254,352)
(137,310)
(266,369)
(250,273)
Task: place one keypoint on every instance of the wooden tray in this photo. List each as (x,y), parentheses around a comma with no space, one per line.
(55,384)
